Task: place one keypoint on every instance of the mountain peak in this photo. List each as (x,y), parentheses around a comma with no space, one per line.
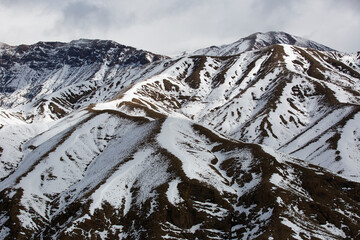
(94,42)
(3,45)
(259,40)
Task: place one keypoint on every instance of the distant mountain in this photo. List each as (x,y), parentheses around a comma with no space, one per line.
(260,40)
(103,141)
(52,55)
(33,73)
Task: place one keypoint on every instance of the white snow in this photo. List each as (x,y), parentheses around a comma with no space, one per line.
(173,192)
(116,190)
(325,232)
(349,148)
(175,136)
(290,57)
(211,209)
(4,232)
(276,179)
(287,179)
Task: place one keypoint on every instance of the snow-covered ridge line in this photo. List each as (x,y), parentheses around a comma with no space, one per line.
(260,40)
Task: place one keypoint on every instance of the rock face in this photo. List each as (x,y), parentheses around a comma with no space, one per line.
(103,141)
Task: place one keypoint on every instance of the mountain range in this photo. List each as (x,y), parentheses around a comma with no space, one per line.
(257,139)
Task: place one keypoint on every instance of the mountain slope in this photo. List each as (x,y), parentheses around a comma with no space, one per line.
(185,148)
(46,81)
(259,40)
(285,97)
(172,179)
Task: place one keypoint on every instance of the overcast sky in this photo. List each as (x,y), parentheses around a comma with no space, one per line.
(172,26)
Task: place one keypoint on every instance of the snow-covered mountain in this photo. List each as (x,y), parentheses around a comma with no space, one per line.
(32,73)
(248,143)
(259,40)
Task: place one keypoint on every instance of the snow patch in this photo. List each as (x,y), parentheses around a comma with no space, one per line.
(173,194)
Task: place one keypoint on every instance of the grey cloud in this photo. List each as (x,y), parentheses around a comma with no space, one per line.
(143,12)
(274,6)
(51,4)
(352,4)
(85,17)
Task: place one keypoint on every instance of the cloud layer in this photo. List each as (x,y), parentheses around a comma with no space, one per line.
(172,26)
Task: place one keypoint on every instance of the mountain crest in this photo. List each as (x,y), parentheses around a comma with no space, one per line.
(259,40)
